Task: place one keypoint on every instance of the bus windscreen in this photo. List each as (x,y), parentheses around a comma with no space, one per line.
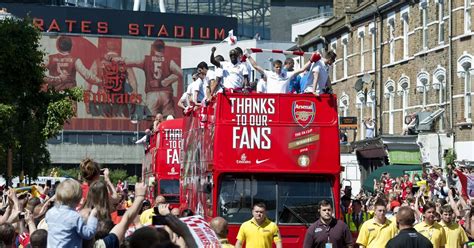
(290,199)
(170,189)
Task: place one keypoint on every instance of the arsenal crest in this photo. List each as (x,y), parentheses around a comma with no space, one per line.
(303,112)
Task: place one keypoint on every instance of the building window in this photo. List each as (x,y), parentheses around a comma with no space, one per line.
(422,84)
(333,47)
(345,41)
(440,21)
(389,94)
(403,88)
(344,104)
(467,16)
(361,33)
(360,104)
(391,41)
(372,34)
(404,18)
(439,84)
(424,23)
(464,71)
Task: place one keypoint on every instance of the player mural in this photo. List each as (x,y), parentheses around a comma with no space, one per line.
(121,77)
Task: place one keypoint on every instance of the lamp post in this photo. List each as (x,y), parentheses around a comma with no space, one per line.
(135,120)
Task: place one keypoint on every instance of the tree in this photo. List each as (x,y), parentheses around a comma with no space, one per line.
(118,174)
(29,114)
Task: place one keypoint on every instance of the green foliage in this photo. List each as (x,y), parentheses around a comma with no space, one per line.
(61,110)
(73,172)
(132,179)
(118,174)
(29,115)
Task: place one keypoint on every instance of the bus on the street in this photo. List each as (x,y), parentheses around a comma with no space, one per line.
(162,161)
(279,149)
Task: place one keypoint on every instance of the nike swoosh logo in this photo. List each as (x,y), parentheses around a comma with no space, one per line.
(261,161)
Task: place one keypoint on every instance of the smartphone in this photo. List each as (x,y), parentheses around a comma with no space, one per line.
(102,172)
(48,183)
(21,216)
(120,212)
(158,220)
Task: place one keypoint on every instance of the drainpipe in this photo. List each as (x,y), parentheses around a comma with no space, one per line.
(450,73)
(380,64)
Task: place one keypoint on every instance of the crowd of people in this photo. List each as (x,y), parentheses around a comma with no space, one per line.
(434,204)
(89,212)
(233,75)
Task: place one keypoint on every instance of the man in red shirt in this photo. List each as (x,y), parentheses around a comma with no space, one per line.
(388,182)
(406,184)
(62,67)
(160,73)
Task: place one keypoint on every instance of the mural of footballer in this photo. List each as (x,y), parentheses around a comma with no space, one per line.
(62,67)
(160,75)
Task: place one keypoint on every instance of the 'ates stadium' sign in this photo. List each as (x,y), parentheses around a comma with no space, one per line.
(123,22)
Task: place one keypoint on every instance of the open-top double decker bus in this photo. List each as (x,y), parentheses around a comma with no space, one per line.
(280,149)
(162,164)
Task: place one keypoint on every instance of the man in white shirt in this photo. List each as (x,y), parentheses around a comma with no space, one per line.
(234,73)
(262,85)
(201,89)
(184,101)
(369,128)
(277,80)
(318,80)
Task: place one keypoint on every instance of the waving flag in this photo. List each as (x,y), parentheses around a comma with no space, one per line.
(231,39)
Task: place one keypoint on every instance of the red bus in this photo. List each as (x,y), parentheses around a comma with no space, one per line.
(162,164)
(280,149)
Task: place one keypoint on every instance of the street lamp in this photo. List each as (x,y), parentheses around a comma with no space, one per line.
(135,120)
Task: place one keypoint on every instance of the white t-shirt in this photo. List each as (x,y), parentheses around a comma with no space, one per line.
(202,84)
(277,83)
(188,93)
(261,86)
(233,75)
(323,75)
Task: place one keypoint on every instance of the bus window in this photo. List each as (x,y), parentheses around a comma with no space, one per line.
(235,198)
(290,199)
(298,198)
(170,190)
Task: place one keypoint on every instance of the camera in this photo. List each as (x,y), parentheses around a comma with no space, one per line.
(120,212)
(158,219)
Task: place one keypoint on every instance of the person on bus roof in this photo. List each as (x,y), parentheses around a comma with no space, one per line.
(234,73)
(277,80)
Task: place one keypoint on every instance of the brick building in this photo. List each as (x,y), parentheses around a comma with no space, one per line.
(398,60)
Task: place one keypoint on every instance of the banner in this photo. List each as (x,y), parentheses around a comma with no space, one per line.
(470,186)
(201,231)
(123,79)
(100,21)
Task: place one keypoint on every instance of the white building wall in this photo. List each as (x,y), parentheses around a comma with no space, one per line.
(351,174)
(465,150)
(302,28)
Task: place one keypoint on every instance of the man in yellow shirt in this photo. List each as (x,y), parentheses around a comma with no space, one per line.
(455,234)
(259,232)
(146,218)
(377,231)
(430,228)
